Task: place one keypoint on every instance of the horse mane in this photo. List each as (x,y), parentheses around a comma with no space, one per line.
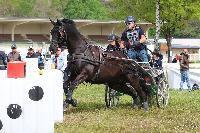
(70,24)
(68,21)
(75,30)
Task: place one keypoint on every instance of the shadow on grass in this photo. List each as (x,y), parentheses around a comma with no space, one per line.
(93,107)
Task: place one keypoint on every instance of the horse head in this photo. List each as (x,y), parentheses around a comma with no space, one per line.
(57,35)
(60,31)
(64,33)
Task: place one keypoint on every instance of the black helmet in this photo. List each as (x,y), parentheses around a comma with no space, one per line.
(130,19)
(112,37)
(30,48)
(13,46)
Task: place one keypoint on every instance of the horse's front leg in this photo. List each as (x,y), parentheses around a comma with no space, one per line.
(78,80)
(66,84)
(134,80)
(67,79)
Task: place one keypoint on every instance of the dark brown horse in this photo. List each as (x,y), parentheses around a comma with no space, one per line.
(90,63)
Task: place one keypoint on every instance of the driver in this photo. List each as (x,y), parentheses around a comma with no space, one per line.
(133,40)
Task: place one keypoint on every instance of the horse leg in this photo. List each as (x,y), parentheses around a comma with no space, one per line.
(135,97)
(79,79)
(66,83)
(129,90)
(134,80)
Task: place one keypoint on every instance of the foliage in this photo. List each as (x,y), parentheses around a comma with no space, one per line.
(191,30)
(142,10)
(85,9)
(74,9)
(91,115)
(152,32)
(16,7)
(174,14)
(27,7)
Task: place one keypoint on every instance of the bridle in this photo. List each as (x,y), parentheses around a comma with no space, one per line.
(61,36)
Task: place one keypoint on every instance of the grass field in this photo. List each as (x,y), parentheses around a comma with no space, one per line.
(91,115)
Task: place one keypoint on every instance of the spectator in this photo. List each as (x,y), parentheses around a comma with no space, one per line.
(31,53)
(156,60)
(40,59)
(14,55)
(184,69)
(65,54)
(3,61)
(59,60)
(177,57)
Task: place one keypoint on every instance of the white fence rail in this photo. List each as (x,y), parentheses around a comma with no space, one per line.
(174,77)
(194,57)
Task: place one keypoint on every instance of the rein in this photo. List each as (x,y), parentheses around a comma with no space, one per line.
(86,56)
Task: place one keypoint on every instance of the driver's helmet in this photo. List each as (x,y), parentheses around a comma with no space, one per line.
(112,37)
(13,46)
(130,19)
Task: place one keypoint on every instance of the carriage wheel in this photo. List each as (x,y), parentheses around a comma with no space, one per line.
(111,97)
(162,95)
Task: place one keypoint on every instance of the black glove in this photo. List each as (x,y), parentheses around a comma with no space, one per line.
(124,51)
(136,43)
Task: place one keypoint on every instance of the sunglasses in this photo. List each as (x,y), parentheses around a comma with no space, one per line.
(129,23)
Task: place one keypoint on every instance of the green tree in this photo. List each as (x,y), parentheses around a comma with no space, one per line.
(30,8)
(59,6)
(174,14)
(74,9)
(16,8)
(42,8)
(142,10)
(85,9)
(191,30)
(24,7)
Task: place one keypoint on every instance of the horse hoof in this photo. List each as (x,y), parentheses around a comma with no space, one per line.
(65,106)
(146,106)
(146,110)
(134,106)
(74,103)
(136,103)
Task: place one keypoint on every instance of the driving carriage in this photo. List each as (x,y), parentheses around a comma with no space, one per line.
(156,81)
(89,63)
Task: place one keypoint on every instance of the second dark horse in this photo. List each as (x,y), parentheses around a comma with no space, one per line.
(90,63)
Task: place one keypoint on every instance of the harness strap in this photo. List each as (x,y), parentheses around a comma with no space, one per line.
(84,58)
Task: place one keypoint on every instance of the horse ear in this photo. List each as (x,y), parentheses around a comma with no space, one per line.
(59,22)
(71,22)
(52,21)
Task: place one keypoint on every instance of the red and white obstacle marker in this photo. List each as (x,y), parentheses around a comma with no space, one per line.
(31,104)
